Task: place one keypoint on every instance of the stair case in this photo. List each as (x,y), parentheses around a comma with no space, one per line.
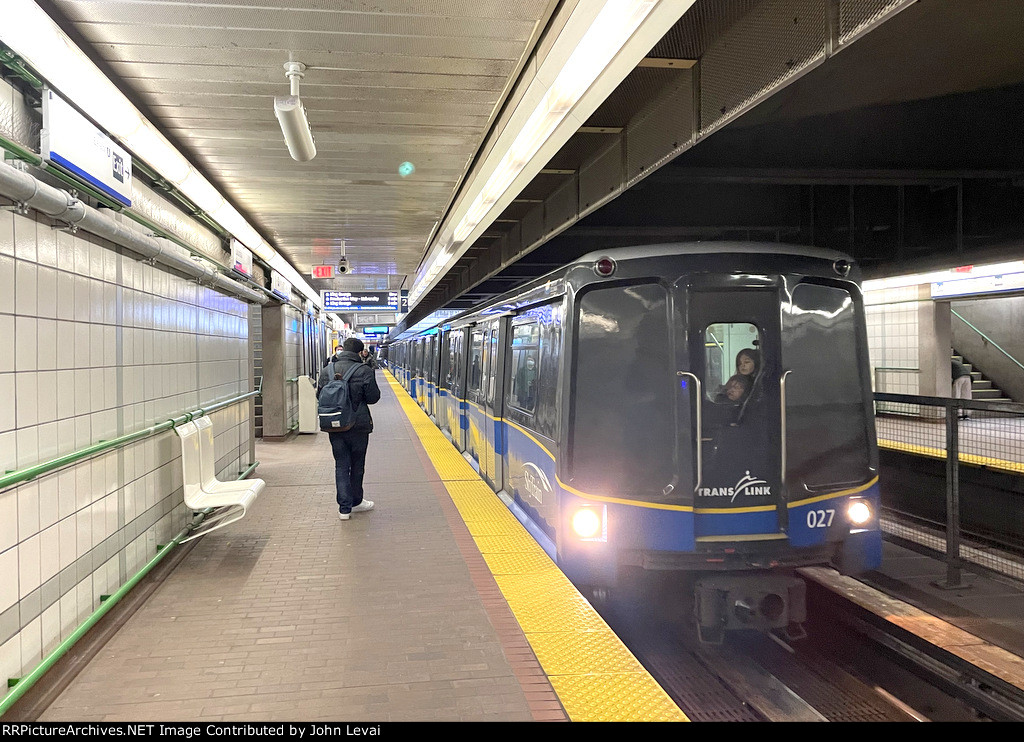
(982,389)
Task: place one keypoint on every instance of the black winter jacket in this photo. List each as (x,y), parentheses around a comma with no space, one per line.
(363,389)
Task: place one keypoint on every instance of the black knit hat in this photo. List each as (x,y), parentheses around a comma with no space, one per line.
(352,344)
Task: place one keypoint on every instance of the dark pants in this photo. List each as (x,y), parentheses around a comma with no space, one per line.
(349,464)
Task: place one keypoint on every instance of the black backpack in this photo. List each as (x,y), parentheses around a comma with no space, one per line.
(335,409)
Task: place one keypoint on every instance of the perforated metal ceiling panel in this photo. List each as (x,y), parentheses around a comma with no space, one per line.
(406,80)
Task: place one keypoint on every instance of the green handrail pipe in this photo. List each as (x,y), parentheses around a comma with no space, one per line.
(987,339)
(28,473)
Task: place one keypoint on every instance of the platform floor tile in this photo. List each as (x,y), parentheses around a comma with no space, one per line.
(595,676)
(292,614)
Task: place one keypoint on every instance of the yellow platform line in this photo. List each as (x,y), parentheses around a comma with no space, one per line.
(1012,467)
(595,676)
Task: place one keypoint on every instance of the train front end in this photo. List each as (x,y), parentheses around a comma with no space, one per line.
(721,427)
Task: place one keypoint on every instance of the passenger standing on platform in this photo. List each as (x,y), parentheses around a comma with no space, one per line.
(961,384)
(349,447)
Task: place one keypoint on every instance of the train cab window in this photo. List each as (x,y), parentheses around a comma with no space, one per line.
(622,436)
(824,388)
(732,362)
(525,366)
(476,350)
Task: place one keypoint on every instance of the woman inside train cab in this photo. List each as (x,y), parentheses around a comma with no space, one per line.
(748,363)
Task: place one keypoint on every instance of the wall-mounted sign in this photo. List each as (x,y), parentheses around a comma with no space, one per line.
(70,141)
(241,258)
(348,301)
(323,271)
(1006,282)
(280,285)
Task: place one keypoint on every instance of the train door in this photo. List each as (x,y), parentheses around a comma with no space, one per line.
(494,367)
(430,372)
(735,353)
(475,436)
(443,374)
(454,380)
(421,373)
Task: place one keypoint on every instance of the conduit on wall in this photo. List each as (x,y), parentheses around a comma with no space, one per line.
(25,188)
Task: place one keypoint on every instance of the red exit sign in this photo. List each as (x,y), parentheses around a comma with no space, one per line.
(323,271)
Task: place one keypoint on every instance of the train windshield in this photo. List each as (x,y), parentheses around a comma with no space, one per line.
(622,436)
(827,428)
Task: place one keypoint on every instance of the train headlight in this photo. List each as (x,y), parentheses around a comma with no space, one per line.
(588,523)
(859,512)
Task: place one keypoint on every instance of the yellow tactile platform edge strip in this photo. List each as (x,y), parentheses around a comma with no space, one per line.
(940,453)
(595,676)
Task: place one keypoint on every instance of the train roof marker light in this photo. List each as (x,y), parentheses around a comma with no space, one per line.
(604,267)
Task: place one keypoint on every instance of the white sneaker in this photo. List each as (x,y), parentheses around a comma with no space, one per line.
(363,506)
(344,516)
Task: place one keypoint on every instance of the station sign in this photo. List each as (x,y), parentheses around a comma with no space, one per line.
(68,139)
(241,258)
(280,286)
(353,301)
(975,285)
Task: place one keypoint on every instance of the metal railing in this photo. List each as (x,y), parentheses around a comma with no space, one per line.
(29,473)
(987,339)
(960,497)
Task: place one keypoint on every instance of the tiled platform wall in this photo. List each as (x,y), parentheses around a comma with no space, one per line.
(893,338)
(95,344)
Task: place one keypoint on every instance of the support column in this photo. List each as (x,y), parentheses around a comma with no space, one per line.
(275,418)
(934,343)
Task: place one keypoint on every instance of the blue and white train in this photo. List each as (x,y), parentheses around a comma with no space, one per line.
(592,401)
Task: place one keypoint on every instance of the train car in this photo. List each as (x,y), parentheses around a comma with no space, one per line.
(702,410)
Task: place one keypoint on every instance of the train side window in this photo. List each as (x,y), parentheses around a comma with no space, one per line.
(731,361)
(525,366)
(492,364)
(475,360)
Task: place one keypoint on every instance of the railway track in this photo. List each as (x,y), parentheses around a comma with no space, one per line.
(850,668)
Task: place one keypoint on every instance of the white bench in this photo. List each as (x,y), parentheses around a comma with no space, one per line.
(203,490)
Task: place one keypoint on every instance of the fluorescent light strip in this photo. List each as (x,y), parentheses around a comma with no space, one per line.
(950,274)
(610,30)
(37,39)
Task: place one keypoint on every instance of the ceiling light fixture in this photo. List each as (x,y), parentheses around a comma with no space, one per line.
(588,47)
(292,116)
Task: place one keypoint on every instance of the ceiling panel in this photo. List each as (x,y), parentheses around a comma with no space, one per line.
(406,80)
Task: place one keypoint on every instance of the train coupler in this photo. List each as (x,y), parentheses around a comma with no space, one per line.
(755,602)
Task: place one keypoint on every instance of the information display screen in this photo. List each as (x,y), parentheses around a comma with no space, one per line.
(344,301)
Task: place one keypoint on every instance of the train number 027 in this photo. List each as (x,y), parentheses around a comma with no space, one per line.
(820,518)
